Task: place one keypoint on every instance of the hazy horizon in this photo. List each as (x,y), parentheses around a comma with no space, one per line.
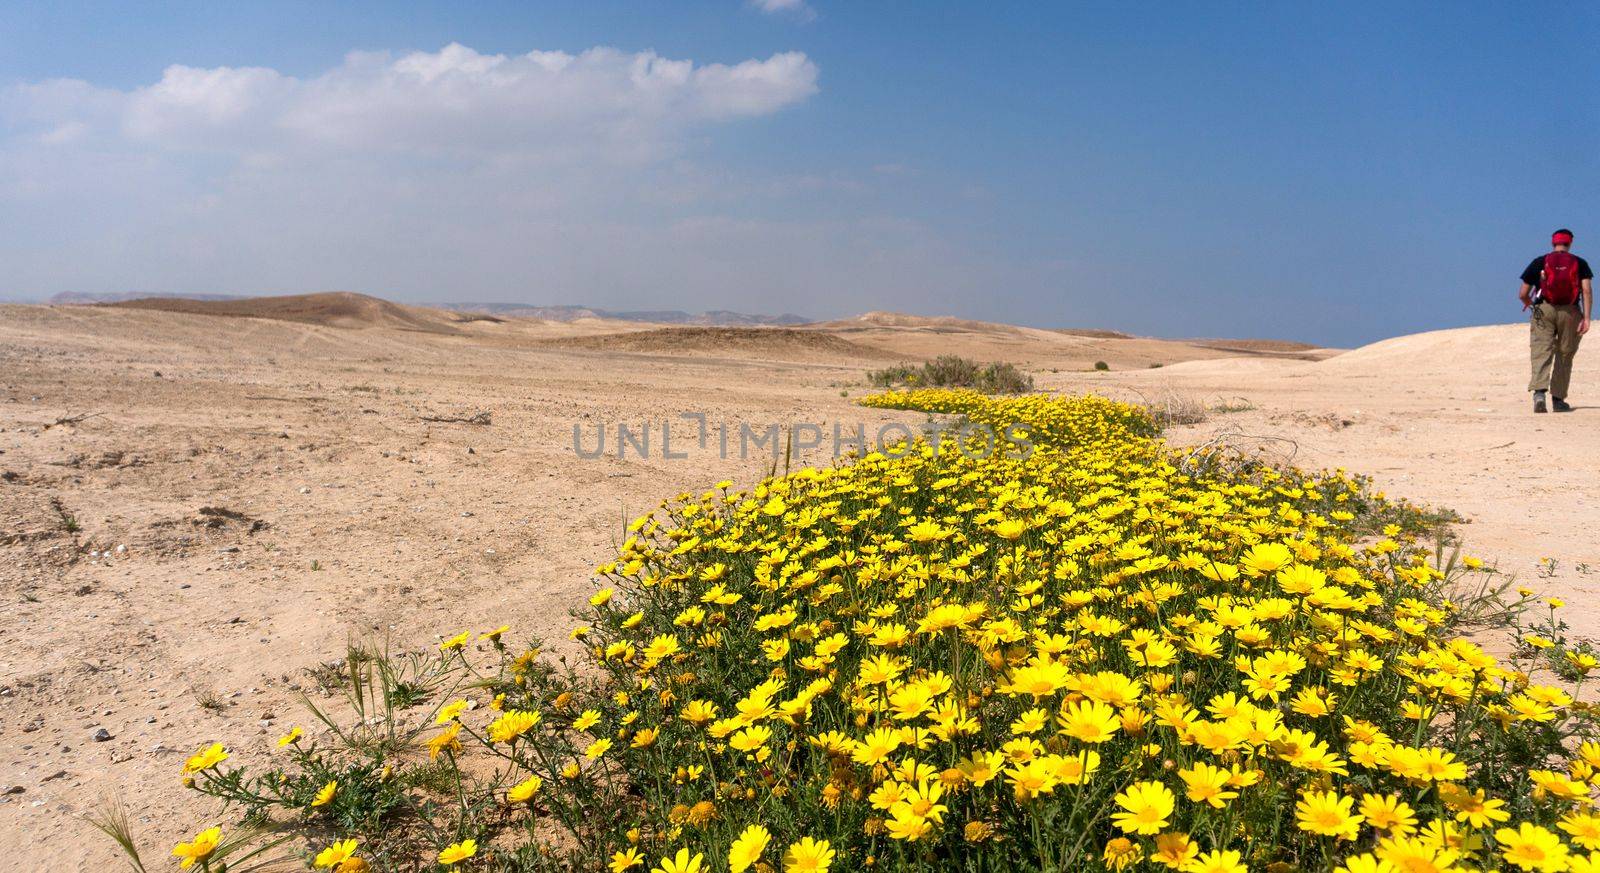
(1333,175)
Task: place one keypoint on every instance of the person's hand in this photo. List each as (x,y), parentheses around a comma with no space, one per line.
(1526,301)
(1583,327)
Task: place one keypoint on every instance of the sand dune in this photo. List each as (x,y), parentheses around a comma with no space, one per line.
(1490,348)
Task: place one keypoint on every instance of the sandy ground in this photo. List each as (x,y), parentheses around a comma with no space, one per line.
(250,494)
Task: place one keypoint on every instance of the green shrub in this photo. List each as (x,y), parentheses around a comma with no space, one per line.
(954,371)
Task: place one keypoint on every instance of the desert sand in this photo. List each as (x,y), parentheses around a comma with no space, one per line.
(201,504)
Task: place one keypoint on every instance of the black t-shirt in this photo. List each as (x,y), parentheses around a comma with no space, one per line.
(1535,272)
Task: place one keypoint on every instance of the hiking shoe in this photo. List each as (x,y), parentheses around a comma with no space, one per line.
(1538,402)
(1560,405)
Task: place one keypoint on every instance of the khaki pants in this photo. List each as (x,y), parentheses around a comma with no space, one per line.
(1553,341)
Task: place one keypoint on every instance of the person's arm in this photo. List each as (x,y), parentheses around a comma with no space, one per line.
(1530,275)
(1588,305)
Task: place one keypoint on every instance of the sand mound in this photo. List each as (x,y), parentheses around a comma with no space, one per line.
(337,309)
(1494,340)
(1482,356)
(779,342)
(1236,367)
(1463,351)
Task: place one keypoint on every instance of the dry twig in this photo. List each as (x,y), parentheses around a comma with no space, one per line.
(482,417)
(73,419)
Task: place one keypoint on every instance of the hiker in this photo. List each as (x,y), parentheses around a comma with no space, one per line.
(1552,286)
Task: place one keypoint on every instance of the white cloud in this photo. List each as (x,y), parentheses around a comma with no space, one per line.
(798,8)
(453,101)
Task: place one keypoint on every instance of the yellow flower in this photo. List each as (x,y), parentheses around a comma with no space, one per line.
(808,856)
(456,641)
(198,849)
(747,849)
(1473,807)
(1224,861)
(325,794)
(1207,784)
(587,720)
(876,747)
(450,712)
(293,736)
(524,791)
(1531,847)
(494,635)
(697,712)
(511,725)
(626,859)
(1121,853)
(1372,864)
(445,740)
(1327,814)
(1010,529)
(1583,827)
(1146,807)
(597,748)
(752,738)
(702,813)
(1386,812)
(205,759)
(1089,721)
(682,862)
(1175,850)
(336,854)
(1039,680)
(455,853)
(1265,558)
(1313,702)
(601,597)
(908,828)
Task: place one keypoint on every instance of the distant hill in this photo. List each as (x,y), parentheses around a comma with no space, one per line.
(81,298)
(335,309)
(713,318)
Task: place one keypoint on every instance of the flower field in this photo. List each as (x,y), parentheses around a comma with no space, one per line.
(1069,652)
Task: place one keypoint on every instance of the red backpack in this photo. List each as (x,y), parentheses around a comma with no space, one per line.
(1558,285)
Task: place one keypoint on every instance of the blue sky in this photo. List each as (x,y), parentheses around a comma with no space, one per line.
(1334,174)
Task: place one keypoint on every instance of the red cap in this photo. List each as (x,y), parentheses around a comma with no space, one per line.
(1561,239)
